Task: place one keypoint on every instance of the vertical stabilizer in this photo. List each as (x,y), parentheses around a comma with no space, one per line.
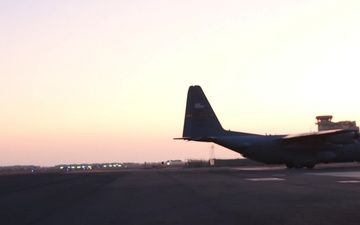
(200,119)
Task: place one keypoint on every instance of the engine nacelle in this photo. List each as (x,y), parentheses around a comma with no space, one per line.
(346,138)
(326,156)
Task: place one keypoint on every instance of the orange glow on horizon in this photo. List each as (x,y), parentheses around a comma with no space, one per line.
(107,81)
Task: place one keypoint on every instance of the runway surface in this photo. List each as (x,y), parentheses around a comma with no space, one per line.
(326,195)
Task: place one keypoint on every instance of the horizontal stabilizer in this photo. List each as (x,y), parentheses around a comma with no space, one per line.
(183,138)
(204,139)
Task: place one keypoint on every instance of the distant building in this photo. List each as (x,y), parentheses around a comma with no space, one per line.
(19,168)
(174,162)
(325,123)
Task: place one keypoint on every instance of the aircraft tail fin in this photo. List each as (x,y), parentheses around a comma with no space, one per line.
(200,119)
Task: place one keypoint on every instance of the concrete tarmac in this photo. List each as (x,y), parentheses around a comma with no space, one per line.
(274,195)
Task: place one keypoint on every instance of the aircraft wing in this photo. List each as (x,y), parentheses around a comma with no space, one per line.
(338,136)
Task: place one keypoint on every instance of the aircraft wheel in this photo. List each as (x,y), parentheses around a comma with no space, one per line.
(310,166)
(289,165)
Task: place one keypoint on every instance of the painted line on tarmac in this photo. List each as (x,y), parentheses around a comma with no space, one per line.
(339,174)
(355,175)
(266,179)
(349,181)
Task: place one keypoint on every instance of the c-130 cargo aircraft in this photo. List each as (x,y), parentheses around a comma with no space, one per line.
(297,150)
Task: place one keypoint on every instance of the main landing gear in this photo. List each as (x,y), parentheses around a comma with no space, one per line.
(299,166)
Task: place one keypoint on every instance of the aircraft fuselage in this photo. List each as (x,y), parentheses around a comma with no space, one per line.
(269,150)
(297,150)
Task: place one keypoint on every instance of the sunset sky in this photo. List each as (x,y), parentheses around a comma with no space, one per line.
(106,81)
